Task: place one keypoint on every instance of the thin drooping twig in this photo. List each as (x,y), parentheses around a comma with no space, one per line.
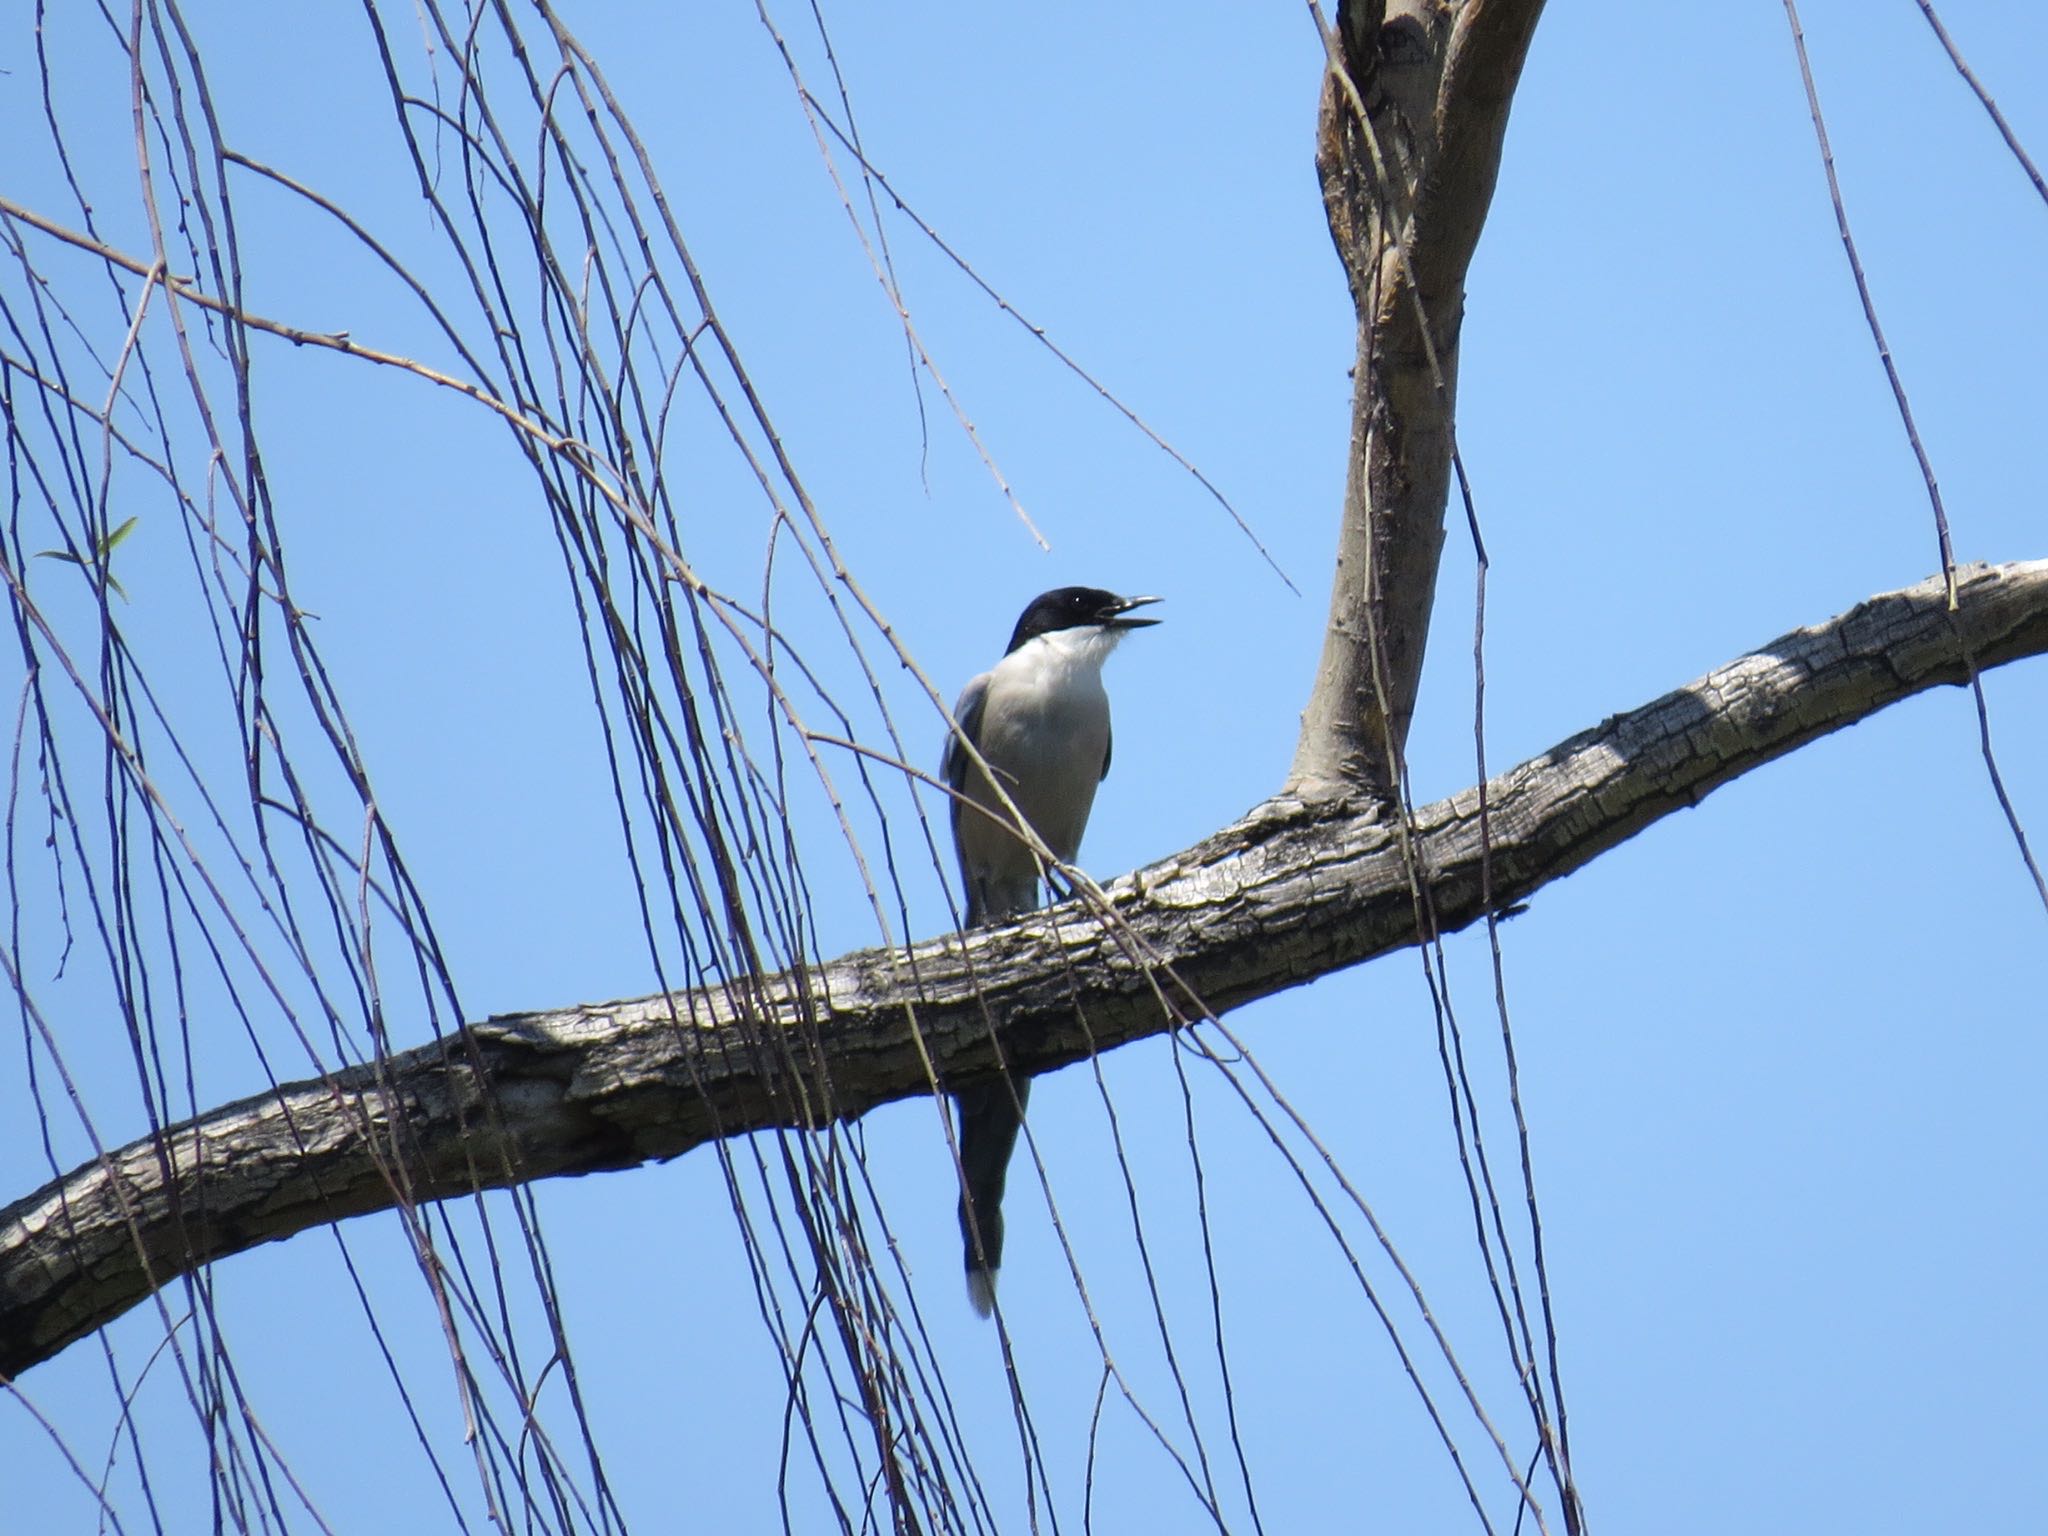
(1920,456)
(2005,132)
(1043,337)
(1884,350)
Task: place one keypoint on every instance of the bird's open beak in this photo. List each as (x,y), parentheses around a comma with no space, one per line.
(1118,616)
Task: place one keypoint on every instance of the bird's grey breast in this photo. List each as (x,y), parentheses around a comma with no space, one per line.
(1045,730)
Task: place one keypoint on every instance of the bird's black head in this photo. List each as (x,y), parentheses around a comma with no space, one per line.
(1076,608)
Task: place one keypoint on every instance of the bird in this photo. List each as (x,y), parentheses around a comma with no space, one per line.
(1039,718)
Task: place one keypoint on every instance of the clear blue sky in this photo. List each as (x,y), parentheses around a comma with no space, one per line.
(1780,1055)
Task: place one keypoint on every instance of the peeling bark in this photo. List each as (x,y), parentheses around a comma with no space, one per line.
(1299,888)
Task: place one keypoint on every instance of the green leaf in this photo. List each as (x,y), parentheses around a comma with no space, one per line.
(107,544)
(103,548)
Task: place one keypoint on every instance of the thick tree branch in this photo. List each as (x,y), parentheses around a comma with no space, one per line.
(1297,889)
(1414,110)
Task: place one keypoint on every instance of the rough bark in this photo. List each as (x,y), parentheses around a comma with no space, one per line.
(1297,889)
(1414,110)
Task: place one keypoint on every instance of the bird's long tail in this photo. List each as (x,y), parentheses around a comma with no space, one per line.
(991,1114)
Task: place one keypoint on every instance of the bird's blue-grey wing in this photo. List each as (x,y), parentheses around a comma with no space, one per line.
(1108,746)
(967,710)
(954,762)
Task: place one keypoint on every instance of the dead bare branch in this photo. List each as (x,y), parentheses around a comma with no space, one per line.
(1296,889)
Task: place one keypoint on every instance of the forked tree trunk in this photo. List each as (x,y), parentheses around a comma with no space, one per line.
(1408,146)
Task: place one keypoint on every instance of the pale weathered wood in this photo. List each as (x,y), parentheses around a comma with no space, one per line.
(1295,890)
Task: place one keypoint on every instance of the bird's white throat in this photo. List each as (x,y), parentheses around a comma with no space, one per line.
(1083,648)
